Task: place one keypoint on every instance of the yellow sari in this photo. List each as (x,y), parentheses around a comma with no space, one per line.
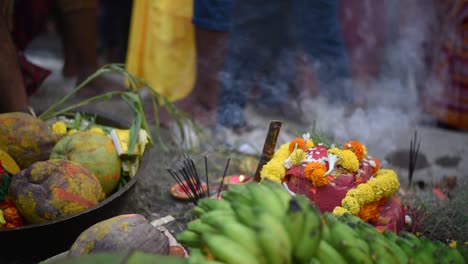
(161,46)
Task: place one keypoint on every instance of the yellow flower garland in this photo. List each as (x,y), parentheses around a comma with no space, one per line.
(357,148)
(274,169)
(383,185)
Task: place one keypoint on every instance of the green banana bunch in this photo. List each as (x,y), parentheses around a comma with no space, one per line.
(347,240)
(304,225)
(328,254)
(227,250)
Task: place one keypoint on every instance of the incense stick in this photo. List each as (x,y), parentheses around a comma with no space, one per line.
(413,157)
(224,176)
(206,177)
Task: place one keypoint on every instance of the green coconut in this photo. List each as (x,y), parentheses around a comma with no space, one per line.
(94,151)
(121,233)
(52,189)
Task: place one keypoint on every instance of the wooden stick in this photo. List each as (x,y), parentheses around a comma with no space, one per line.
(268,147)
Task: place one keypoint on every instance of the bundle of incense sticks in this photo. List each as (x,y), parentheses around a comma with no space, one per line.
(413,157)
(186,175)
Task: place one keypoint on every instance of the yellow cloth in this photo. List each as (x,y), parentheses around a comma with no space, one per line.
(161,46)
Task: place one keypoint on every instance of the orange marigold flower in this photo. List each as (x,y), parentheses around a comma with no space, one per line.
(356,147)
(375,163)
(314,171)
(300,142)
(370,212)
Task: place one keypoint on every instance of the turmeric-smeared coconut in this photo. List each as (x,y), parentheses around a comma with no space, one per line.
(26,138)
(48,190)
(94,151)
(121,233)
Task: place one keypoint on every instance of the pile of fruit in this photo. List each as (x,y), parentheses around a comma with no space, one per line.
(263,223)
(54,170)
(339,180)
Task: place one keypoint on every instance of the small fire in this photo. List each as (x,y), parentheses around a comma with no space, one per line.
(241,178)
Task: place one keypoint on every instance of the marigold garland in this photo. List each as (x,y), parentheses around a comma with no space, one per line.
(355,146)
(370,212)
(384,184)
(274,169)
(314,171)
(299,142)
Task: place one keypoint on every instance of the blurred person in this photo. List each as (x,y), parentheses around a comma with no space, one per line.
(183,53)
(22,21)
(77,24)
(445,96)
(12,88)
(262,34)
(113,29)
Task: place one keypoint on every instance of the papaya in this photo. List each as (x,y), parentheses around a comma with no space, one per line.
(26,138)
(49,190)
(94,151)
(121,233)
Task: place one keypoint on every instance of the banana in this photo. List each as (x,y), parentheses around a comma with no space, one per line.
(218,214)
(283,196)
(347,241)
(237,197)
(266,199)
(391,236)
(382,251)
(273,238)
(197,226)
(354,254)
(198,211)
(226,250)
(244,213)
(342,233)
(243,235)
(210,204)
(409,236)
(314,260)
(189,238)
(326,232)
(311,234)
(328,254)
(407,246)
(294,222)
(450,255)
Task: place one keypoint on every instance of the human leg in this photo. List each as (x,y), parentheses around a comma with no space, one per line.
(79,30)
(212,19)
(12,89)
(254,47)
(320,37)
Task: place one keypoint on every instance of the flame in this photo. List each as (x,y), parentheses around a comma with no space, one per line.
(241,178)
